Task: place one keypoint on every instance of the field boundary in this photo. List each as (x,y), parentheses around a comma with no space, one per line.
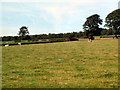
(51,42)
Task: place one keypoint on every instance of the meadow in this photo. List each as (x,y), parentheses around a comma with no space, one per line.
(73,64)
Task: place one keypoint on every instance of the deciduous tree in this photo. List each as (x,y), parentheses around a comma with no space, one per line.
(91,26)
(113,21)
(23,31)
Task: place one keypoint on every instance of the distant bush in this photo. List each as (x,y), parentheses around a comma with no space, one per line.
(74,39)
(85,37)
(17,40)
(34,40)
(105,36)
(44,40)
(58,40)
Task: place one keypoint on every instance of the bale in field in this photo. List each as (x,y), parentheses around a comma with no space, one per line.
(19,43)
(7,45)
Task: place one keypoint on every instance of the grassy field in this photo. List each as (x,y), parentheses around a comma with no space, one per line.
(77,64)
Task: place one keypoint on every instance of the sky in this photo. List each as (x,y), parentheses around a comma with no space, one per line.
(50,16)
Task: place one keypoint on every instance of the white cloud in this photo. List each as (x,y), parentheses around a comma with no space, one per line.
(55,11)
(58,10)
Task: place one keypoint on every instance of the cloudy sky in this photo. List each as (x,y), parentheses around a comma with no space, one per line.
(50,16)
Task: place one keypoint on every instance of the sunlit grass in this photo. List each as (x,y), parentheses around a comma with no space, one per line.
(77,64)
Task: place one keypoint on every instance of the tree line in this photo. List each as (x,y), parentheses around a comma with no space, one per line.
(71,36)
(91,28)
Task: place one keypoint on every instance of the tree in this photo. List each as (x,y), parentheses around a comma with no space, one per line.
(113,21)
(72,36)
(23,31)
(34,38)
(91,26)
(104,32)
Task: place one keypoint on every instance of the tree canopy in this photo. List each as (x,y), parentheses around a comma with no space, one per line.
(23,31)
(91,26)
(113,21)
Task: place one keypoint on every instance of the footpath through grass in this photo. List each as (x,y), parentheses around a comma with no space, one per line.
(77,64)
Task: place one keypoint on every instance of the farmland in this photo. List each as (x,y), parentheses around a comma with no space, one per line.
(74,64)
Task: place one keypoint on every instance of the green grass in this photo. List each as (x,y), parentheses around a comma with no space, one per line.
(77,64)
(25,41)
(13,42)
(105,36)
(7,42)
(96,37)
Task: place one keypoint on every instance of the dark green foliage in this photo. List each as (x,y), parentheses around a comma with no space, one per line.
(113,21)
(17,39)
(107,32)
(91,26)
(58,40)
(72,37)
(43,37)
(34,38)
(23,31)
